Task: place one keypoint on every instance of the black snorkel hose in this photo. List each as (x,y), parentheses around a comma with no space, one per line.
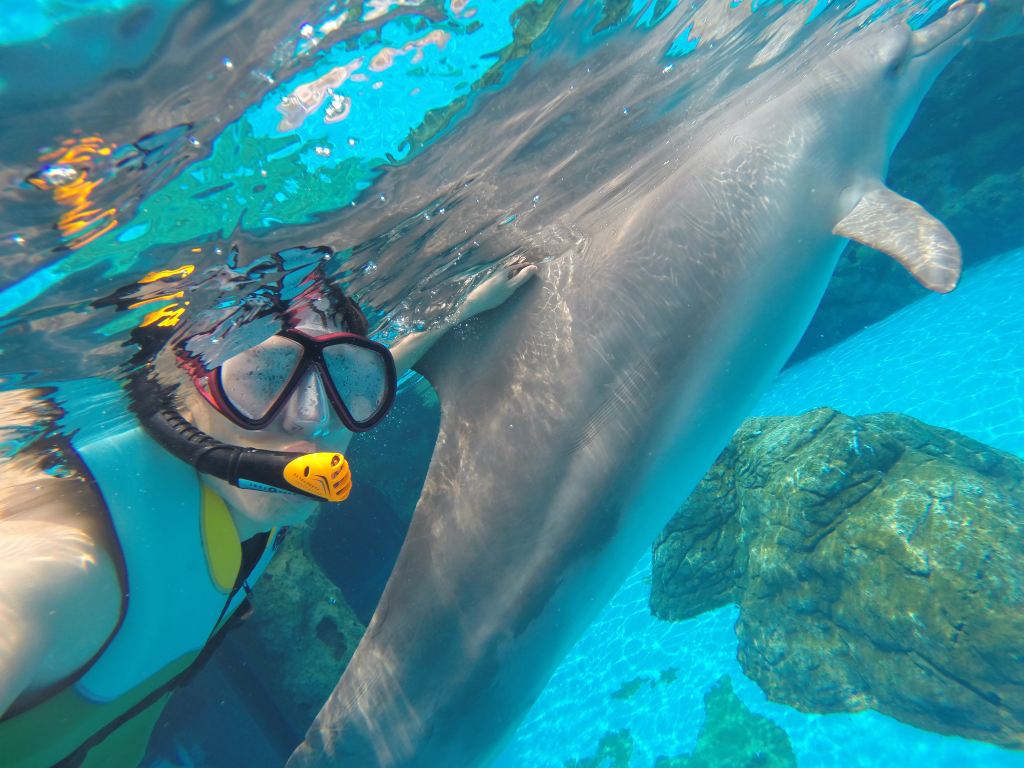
(315,475)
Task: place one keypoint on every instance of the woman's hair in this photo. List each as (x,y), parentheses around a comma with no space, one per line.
(314,293)
(334,308)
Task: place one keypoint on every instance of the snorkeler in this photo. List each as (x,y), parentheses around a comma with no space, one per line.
(117,571)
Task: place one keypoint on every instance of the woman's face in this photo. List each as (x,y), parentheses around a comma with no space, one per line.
(306,424)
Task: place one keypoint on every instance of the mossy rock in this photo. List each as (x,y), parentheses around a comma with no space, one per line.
(301,632)
(615,750)
(734,737)
(876,562)
(631,688)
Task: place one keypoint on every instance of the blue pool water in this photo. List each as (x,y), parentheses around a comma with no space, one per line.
(954,361)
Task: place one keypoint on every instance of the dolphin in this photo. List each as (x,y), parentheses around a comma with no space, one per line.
(578,417)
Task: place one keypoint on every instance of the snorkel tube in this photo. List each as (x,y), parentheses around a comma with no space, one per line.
(320,476)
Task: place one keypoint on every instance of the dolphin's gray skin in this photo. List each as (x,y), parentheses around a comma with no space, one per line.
(578,417)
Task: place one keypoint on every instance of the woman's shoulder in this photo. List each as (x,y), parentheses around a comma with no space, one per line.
(60,590)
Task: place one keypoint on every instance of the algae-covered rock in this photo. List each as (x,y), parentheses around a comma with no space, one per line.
(615,750)
(631,688)
(734,737)
(302,629)
(876,562)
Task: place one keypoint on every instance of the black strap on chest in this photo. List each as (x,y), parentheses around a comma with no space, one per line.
(252,551)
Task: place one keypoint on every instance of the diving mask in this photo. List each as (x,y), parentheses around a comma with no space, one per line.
(322,475)
(252,387)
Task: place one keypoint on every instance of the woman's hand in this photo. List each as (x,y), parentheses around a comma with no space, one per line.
(496,290)
(491,293)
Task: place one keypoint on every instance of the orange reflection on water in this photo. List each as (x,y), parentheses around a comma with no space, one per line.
(165,317)
(85,221)
(163,274)
(169,315)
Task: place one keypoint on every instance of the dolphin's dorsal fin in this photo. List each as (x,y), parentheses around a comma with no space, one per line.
(905,231)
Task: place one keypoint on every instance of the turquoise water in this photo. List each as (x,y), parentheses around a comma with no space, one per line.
(230,131)
(953,361)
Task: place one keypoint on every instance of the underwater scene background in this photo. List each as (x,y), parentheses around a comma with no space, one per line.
(185,161)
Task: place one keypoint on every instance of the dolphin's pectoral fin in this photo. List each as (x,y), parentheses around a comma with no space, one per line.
(904,230)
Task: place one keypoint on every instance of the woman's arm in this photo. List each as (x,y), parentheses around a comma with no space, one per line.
(59,601)
(490,294)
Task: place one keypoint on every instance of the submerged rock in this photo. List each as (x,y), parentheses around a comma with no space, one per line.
(301,629)
(734,737)
(631,688)
(876,562)
(615,750)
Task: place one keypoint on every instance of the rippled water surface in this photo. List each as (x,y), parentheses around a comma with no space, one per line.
(396,135)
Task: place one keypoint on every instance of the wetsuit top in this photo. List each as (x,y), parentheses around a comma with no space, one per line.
(182,560)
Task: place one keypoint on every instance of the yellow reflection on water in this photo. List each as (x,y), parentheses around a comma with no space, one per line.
(85,221)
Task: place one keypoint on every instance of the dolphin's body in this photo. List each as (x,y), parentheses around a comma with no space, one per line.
(579,417)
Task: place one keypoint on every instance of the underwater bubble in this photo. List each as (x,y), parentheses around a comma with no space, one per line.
(18,239)
(228,64)
(306,30)
(323,151)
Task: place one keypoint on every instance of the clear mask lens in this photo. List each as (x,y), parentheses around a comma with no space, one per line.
(254,380)
(361,377)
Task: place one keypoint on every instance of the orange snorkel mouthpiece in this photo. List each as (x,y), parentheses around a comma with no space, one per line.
(324,475)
